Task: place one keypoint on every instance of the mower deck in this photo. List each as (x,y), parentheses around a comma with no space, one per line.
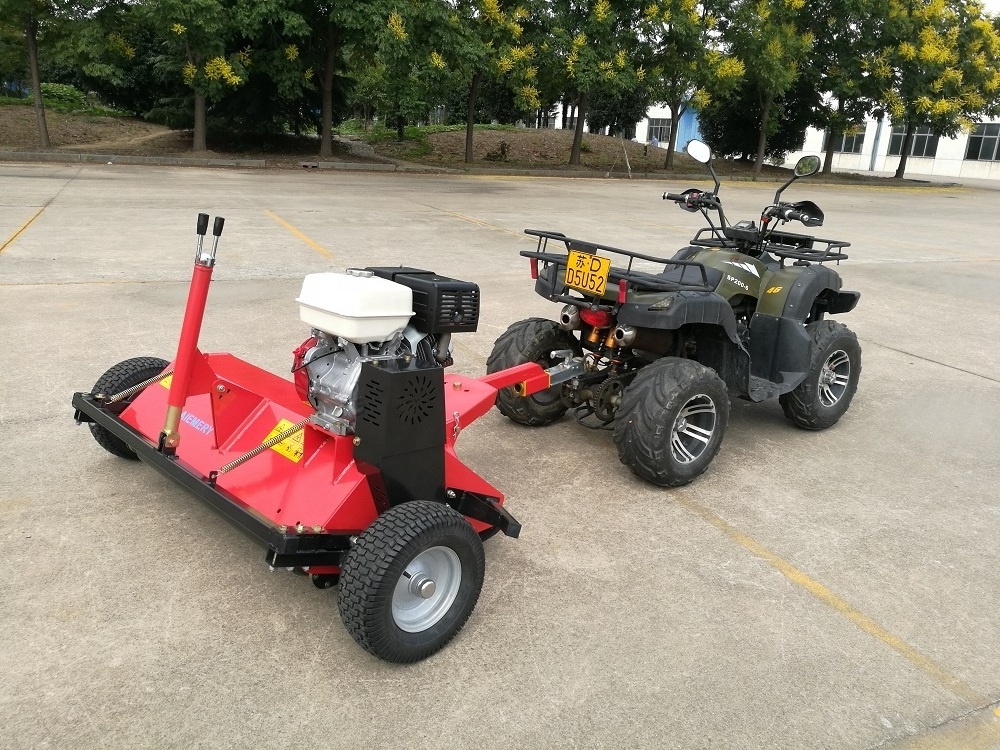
(305,496)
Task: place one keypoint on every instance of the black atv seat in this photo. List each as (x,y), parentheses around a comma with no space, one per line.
(691,275)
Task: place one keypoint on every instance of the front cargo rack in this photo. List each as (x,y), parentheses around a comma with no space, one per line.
(780,244)
(549,279)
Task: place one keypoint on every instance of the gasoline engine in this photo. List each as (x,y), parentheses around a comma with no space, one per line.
(371,315)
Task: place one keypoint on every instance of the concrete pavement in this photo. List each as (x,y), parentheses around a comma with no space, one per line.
(811,590)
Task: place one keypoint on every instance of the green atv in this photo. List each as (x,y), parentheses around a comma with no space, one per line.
(653,348)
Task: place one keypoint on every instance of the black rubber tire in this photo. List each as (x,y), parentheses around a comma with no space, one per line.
(804,405)
(375,564)
(649,410)
(531,340)
(121,377)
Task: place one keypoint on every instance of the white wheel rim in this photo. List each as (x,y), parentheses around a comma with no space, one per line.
(427,589)
(834,378)
(693,429)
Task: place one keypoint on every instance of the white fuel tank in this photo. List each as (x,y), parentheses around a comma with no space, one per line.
(356,305)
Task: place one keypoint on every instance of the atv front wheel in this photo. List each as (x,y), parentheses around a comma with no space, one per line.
(120,378)
(826,393)
(411,581)
(671,421)
(531,340)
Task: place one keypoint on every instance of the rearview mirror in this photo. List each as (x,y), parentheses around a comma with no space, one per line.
(700,151)
(806,166)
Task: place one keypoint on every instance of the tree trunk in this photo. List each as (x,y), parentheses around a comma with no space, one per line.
(199,123)
(762,141)
(400,127)
(565,112)
(329,68)
(904,152)
(31,36)
(675,116)
(470,116)
(832,133)
(581,112)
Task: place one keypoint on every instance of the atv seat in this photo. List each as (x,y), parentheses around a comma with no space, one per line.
(691,275)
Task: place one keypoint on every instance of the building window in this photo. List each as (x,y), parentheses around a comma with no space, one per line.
(984,143)
(925,143)
(659,128)
(846,143)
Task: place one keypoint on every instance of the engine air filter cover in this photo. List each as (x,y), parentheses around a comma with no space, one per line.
(440,304)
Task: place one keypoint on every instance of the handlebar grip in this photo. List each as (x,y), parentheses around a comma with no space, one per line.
(793,215)
(219,222)
(202,227)
(674,197)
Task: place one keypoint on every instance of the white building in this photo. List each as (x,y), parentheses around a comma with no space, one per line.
(878,146)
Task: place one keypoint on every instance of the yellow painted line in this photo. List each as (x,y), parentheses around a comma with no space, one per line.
(973,732)
(301,235)
(19,232)
(479,222)
(924,663)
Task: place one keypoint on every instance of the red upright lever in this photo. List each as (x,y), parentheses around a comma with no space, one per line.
(187,347)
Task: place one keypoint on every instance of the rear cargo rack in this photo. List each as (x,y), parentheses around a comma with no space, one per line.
(553,261)
(780,244)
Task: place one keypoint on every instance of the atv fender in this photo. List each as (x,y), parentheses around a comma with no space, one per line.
(686,308)
(791,291)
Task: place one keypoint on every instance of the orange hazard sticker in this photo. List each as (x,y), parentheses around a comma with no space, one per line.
(291,447)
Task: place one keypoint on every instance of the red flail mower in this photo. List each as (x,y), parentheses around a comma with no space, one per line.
(348,474)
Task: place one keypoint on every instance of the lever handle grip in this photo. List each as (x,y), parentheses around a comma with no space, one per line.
(219,222)
(202,224)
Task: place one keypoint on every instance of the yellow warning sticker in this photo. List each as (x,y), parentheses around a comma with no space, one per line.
(290,447)
(167,381)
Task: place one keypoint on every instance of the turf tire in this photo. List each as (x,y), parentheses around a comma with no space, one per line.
(650,409)
(531,340)
(121,377)
(377,562)
(805,406)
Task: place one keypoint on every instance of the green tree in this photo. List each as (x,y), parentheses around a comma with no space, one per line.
(490,45)
(195,35)
(599,48)
(769,37)
(846,33)
(938,66)
(686,64)
(33,20)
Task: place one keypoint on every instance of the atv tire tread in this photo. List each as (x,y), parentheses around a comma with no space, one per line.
(642,435)
(121,377)
(530,340)
(375,562)
(802,405)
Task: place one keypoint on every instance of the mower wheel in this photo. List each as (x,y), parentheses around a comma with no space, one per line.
(671,421)
(531,340)
(119,378)
(411,580)
(826,393)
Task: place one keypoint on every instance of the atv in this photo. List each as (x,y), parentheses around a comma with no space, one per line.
(661,344)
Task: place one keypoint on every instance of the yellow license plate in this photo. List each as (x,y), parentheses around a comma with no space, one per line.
(587,273)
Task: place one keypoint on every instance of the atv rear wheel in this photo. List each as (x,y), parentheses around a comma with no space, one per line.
(824,396)
(411,581)
(531,340)
(120,378)
(671,421)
